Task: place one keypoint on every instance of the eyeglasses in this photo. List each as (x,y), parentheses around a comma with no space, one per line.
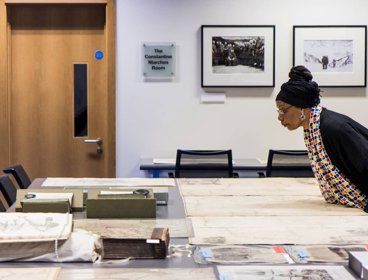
(283,111)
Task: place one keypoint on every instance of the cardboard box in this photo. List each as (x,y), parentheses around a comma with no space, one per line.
(161,193)
(46,206)
(357,260)
(120,204)
(52,205)
(365,272)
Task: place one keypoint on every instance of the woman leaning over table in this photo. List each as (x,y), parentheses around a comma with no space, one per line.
(337,145)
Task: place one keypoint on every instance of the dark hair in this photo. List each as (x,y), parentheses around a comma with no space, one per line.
(300,90)
(300,73)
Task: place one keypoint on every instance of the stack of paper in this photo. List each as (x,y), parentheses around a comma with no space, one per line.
(26,227)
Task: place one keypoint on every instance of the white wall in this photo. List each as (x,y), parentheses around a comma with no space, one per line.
(156,118)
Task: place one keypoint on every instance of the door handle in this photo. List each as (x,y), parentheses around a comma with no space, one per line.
(97,141)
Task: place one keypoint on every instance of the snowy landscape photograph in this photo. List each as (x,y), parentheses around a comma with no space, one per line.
(328,55)
(335,54)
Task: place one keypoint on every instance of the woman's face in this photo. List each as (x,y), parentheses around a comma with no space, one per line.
(289,115)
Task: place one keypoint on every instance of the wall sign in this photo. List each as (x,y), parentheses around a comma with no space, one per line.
(159,60)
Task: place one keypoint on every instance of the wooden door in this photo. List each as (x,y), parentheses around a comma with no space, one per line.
(59,91)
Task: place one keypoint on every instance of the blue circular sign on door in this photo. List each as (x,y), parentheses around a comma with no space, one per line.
(98,55)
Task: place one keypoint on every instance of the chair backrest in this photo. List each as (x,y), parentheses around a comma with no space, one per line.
(3,204)
(19,174)
(288,163)
(204,164)
(8,189)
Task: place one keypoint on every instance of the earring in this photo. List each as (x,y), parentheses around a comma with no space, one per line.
(302,116)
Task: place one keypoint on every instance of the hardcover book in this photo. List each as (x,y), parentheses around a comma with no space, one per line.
(152,247)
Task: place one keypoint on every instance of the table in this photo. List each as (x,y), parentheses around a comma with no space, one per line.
(204,190)
(174,210)
(246,165)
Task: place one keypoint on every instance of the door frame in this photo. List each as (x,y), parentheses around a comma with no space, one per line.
(5,93)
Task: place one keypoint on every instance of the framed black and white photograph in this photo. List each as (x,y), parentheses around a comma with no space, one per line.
(238,56)
(336,55)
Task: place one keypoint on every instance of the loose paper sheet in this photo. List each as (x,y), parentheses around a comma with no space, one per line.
(322,253)
(307,230)
(130,228)
(238,254)
(106,182)
(21,227)
(249,186)
(164,160)
(39,273)
(139,273)
(284,272)
(208,206)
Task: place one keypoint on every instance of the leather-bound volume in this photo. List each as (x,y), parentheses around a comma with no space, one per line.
(152,247)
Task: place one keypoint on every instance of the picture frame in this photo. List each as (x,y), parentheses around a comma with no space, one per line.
(237,56)
(335,54)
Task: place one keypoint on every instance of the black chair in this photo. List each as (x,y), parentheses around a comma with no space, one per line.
(8,189)
(204,164)
(288,163)
(3,204)
(19,174)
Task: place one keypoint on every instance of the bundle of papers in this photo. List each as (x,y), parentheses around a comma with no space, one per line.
(25,227)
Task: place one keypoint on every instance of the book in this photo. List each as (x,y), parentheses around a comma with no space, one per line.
(151,247)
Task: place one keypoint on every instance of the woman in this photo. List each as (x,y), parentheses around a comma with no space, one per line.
(337,145)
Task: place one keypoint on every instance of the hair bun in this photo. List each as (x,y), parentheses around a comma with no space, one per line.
(300,73)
